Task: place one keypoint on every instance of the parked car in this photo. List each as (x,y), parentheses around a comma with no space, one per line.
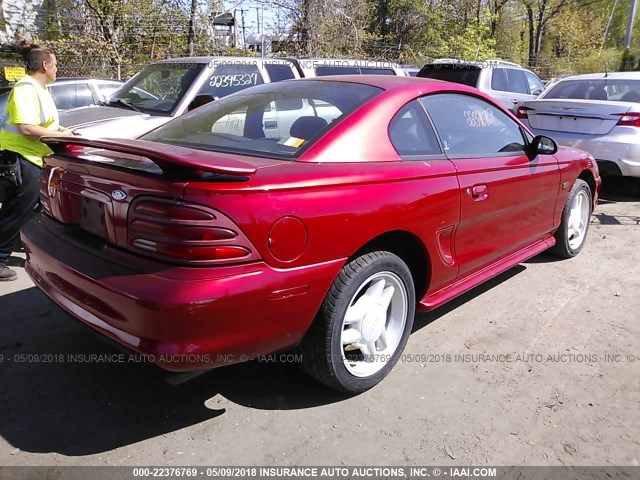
(599,113)
(73,92)
(507,82)
(411,71)
(201,247)
(319,67)
(166,89)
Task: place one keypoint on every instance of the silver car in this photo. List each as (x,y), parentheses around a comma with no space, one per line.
(507,82)
(598,113)
(74,92)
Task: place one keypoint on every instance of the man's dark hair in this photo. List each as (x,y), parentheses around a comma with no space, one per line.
(33,55)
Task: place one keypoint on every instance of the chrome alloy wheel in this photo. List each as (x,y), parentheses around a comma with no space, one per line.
(374,323)
(578,219)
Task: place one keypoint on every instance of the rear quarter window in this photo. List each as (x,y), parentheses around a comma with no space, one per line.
(278,73)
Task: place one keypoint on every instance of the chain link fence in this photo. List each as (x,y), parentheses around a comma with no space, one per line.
(546,65)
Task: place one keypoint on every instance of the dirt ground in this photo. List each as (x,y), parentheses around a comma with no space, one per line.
(538,367)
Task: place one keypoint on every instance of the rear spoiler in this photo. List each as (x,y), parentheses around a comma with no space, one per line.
(164,155)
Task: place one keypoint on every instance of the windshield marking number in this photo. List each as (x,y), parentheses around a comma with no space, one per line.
(237,80)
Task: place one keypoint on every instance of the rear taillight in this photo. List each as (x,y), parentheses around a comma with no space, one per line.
(523,112)
(185,233)
(630,119)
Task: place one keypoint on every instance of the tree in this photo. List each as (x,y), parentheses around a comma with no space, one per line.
(495,10)
(539,14)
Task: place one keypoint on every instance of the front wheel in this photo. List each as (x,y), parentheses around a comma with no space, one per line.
(363,325)
(576,214)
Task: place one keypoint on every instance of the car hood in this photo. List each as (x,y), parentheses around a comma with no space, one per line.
(100,122)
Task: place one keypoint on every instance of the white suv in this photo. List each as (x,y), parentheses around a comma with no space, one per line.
(507,82)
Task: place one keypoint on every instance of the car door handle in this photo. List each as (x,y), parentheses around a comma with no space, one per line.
(515,100)
(478,192)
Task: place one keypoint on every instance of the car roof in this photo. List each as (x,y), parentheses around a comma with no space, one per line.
(488,63)
(603,75)
(203,59)
(60,79)
(84,79)
(67,80)
(361,62)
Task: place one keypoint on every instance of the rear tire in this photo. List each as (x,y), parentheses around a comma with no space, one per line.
(363,324)
(576,215)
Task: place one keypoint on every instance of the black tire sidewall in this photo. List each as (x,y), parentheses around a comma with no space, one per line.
(563,247)
(385,262)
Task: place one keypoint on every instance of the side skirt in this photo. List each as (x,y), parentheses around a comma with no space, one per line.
(439,297)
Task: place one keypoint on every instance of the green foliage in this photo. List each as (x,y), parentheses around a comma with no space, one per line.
(117,37)
(474,43)
(628,61)
(573,43)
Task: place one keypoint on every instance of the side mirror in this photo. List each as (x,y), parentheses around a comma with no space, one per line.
(541,145)
(200,100)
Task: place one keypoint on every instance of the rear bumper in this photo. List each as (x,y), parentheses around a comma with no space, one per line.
(622,149)
(182,318)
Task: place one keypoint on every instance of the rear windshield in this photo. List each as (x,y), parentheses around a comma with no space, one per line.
(619,90)
(452,72)
(275,119)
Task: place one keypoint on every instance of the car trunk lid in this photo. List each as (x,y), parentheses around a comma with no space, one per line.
(574,116)
(99,186)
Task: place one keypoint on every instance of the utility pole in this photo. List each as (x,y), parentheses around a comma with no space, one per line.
(262,32)
(192,27)
(632,17)
(260,27)
(258,18)
(278,28)
(235,29)
(244,35)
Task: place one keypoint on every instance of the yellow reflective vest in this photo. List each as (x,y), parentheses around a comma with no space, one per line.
(29,104)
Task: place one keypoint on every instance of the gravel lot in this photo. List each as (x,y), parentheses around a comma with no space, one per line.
(538,367)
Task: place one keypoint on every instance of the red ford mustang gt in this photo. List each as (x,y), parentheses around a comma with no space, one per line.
(316,213)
